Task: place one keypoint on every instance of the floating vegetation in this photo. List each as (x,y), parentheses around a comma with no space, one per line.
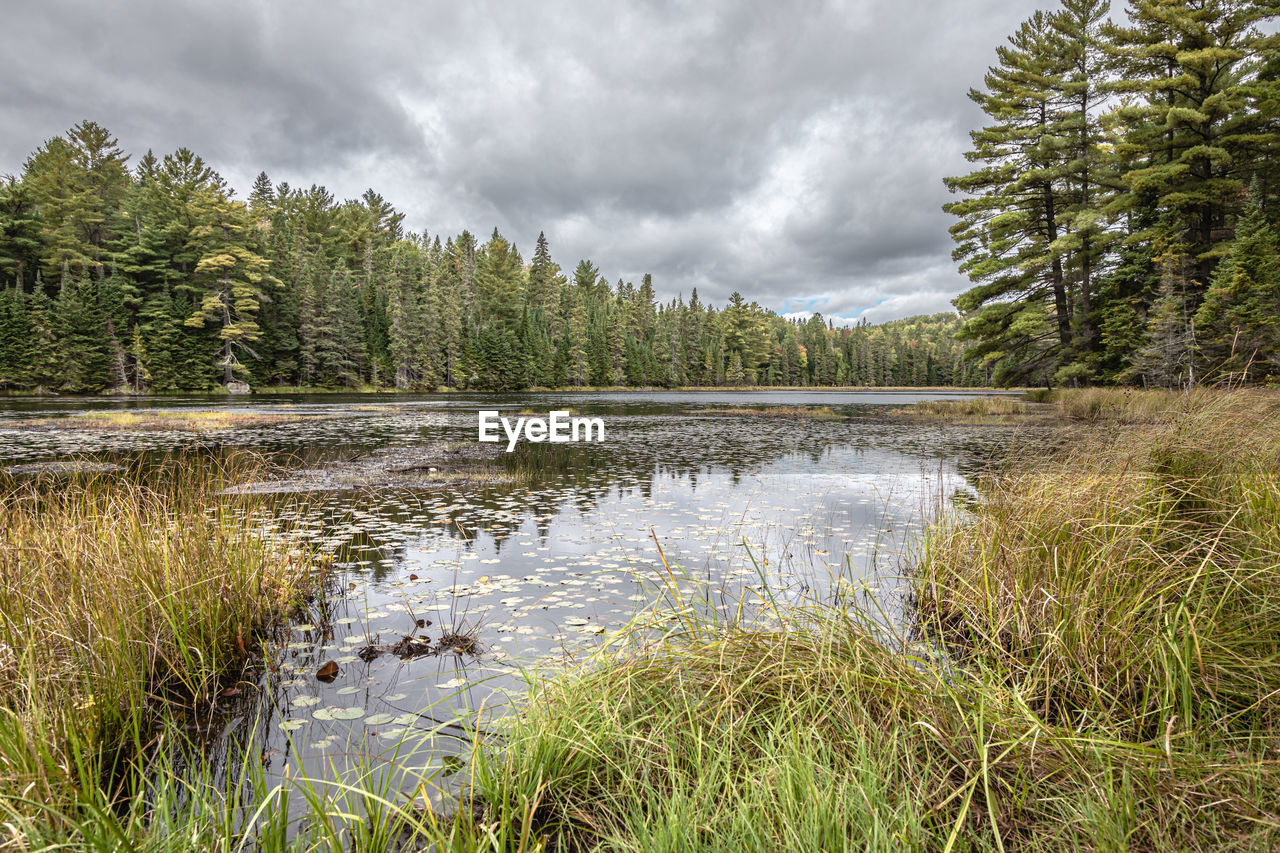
(66,466)
(797,412)
(199,420)
(976,410)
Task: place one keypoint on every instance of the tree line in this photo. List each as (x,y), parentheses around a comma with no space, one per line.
(1120,224)
(156,278)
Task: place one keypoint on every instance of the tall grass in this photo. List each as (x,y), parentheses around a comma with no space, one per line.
(1132,406)
(980,409)
(121,597)
(1134,582)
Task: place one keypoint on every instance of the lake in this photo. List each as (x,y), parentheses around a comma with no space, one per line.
(537,558)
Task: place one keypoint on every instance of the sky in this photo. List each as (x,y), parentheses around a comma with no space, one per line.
(793,152)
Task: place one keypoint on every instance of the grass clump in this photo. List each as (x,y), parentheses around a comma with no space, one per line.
(818,737)
(1134,582)
(197,420)
(1133,406)
(121,599)
(820,413)
(970,410)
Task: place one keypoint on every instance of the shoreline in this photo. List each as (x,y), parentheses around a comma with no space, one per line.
(287,390)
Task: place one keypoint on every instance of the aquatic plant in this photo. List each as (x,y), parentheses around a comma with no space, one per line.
(798,412)
(123,599)
(198,420)
(970,409)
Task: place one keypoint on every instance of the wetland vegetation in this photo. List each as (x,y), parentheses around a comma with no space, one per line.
(638,646)
(124,600)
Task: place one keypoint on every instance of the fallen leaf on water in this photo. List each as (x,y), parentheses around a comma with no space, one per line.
(328,672)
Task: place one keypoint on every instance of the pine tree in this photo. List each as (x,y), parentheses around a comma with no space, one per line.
(1010,224)
(1167,355)
(1238,325)
(82,345)
(78,183)
(232,278)
(1187,133)
(20,228)
(1088,173)
(15,340)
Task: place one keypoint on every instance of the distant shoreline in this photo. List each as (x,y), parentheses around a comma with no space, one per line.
(607,389)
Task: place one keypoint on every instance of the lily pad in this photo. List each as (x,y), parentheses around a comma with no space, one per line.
(346,713)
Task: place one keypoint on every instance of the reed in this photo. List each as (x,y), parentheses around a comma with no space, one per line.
(122,600)
(972,409)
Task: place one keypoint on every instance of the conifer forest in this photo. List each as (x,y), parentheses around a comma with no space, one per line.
(156,278)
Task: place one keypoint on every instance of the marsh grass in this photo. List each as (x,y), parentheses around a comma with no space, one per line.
(969,410)
(122,600)
(820,738)
(198,420)
(1134,582)
(1134,407)
(798,412)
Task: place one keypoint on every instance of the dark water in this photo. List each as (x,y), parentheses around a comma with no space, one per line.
(541,569)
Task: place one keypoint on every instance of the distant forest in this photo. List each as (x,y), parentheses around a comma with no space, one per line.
(155,278)
(1120,225)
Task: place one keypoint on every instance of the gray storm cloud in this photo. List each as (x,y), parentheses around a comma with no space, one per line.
(793,152)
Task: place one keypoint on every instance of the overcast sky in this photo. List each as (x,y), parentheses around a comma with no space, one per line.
(790,151)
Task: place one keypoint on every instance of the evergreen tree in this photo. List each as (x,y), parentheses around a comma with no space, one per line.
(1238,325)
(1186,133)
(232,278)
(1009,226)
(78,183)
(20,229)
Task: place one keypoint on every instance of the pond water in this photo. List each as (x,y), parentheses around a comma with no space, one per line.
(543,556)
